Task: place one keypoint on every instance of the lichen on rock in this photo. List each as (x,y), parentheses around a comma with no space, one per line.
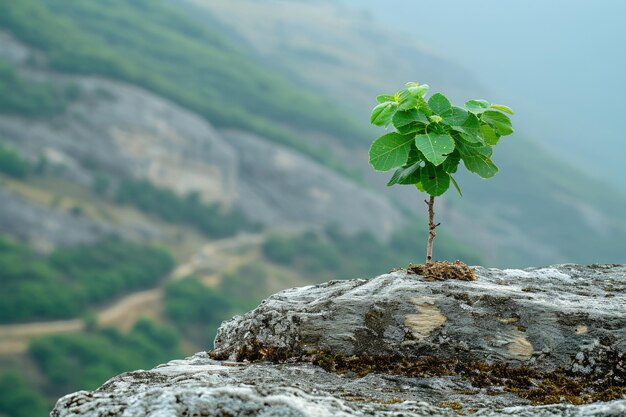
(397,344)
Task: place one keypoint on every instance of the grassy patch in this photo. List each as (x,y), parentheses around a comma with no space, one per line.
(87,360)
(69,280)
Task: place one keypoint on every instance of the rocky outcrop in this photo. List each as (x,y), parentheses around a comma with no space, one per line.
(543,317)
(536,342)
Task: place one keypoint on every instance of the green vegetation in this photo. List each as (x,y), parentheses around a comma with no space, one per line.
(189,64)
(18,398)
(333,254)
(66,282)
(431,139)
(213,220)
(246,286)
(32,98)
(85,361)
(197,309)
(12,163)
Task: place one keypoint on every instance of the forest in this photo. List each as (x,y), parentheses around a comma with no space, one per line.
(70,280)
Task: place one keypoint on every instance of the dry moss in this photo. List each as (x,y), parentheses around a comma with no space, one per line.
(255,351)
(453,405)
(493,378)
(443,270)
(218,357)
(537,387)
(394,400)
(362,365)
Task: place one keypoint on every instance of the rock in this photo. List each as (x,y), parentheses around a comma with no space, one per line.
(540,317)
(201,386)
(398,345)
(278,186)
(45,227)
(124,132)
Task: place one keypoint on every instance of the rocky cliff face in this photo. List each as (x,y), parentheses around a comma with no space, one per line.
(536,342)
(123,132)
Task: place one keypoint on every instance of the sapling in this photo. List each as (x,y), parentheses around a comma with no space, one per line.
(431,138)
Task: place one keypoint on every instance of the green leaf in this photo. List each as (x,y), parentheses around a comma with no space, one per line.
(456,116)
(390,151)
(383,113)
(385,98)
(471,129)
(412,128)
(476,160)
(395,177)
(500,122)
(415,156)
(473,140)
(434,179)
(477,106)
(417,89)
(420,187)
(403,118)
(439,103)
(490,135)
(451,163)
(406,100)
(435,146)
(502,107)
(456,185)
(406,175)
(472,125)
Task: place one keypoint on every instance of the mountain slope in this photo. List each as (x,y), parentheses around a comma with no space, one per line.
(528,214)
(155,46)
(120,133)
(538,209)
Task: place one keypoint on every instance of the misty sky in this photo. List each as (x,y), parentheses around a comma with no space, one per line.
(560,63)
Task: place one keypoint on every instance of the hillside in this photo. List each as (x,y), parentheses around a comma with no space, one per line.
(513,221)
(538,209)
(217,81)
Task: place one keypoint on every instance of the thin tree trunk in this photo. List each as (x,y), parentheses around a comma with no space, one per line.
(431,229)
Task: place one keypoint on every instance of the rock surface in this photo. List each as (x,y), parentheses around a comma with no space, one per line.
(44,227)
(542,316)
(532,321)
(277,185)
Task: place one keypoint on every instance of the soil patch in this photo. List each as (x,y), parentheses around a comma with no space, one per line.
(443,270)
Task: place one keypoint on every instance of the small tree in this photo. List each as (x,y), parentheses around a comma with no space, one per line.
(431,138)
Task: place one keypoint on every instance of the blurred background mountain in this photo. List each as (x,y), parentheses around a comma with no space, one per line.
(167,164)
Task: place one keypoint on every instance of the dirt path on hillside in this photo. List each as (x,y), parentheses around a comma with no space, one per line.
(215,256)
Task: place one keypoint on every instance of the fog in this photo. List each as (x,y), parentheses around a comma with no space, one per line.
(558,63)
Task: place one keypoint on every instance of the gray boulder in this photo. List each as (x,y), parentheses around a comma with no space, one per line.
(399,345)
(542,317)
